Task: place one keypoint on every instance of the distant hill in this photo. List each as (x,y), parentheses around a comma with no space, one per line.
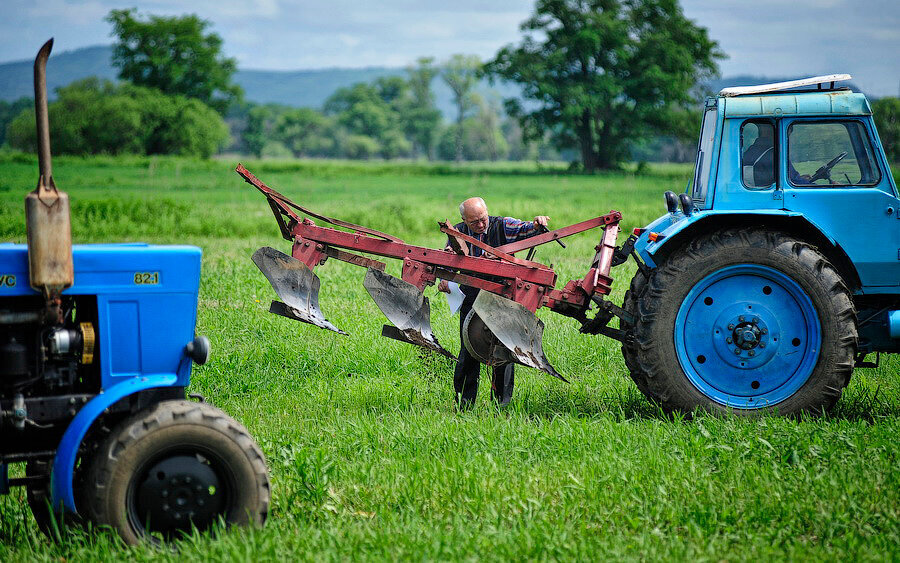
(301,88)
(17,78)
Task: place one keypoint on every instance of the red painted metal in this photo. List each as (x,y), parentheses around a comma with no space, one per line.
(550,236)
(530,284)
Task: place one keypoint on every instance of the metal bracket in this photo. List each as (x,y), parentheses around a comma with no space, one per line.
(862,363)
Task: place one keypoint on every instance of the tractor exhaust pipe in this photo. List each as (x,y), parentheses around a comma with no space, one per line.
(47,220)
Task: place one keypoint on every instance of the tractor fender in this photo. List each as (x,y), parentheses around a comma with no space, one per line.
(61,476)
(675,229)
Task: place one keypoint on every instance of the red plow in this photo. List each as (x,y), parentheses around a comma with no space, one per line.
(501,327)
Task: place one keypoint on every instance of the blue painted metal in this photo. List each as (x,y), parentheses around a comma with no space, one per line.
(769,314)
(61,491)
(146,302)
(670,225)
(147,307)
(841,102)
(894,321)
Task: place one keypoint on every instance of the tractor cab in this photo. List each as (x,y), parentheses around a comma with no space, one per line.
(804,152)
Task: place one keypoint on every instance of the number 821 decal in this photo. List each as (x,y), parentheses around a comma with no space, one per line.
(146,278)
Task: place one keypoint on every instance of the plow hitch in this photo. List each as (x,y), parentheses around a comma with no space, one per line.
(501,328)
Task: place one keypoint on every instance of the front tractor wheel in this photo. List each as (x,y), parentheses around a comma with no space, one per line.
(176,466)
(746,321)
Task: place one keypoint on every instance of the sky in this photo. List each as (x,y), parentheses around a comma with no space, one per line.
(774,38)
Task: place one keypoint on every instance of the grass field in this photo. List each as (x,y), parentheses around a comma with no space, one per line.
(368,458)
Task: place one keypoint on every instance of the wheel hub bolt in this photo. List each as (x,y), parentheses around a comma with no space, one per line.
(729,340)
(751,352)
(731,327)
(755,320)
(765,331)
(741,319)
(762,344)
(737,351)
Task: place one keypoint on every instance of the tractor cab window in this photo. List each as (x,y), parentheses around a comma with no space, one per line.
(758,154)
(704,155)
(831,153)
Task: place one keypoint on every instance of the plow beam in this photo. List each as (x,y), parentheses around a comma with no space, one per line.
(517,328)
(406,307)
(296,284)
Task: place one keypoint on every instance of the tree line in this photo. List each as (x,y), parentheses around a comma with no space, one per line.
(603,82)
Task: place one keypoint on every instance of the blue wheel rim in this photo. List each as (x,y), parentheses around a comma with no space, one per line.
(747,336)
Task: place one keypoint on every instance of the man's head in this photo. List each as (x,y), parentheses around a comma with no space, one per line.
(474,214)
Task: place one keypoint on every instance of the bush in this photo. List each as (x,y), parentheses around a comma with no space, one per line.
(94,117)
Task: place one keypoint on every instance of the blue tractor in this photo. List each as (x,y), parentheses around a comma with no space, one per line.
(778,271)
(96,348)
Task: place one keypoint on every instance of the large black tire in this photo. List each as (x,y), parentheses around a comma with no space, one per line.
(655,301)
(174,466)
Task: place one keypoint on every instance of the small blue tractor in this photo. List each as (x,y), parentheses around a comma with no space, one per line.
(96,348)
(778,271)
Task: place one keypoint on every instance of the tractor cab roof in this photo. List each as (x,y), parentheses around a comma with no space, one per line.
(795,98)
(819,82)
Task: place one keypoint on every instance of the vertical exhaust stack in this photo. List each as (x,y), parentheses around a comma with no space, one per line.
(47,220)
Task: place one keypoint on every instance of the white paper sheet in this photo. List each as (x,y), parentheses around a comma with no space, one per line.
(455,297)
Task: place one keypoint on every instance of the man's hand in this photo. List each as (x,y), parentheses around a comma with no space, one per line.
(542,220)
(444,286)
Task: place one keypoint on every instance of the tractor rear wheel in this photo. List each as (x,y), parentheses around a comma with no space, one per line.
(743,321)
(173,467)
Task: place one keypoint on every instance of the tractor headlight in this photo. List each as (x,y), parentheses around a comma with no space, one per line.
(198,350)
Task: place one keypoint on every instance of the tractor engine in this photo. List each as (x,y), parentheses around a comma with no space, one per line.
(41,357)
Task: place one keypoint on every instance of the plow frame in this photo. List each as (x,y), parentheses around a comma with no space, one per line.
(531,284)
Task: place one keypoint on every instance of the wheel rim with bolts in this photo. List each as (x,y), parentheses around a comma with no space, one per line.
(747,336)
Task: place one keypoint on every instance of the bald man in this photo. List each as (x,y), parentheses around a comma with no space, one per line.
(495,231)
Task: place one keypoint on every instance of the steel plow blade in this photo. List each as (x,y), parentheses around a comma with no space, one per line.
(406,307)
(517,328)
(296,284)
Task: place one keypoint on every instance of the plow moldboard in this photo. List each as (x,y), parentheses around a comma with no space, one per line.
(517,328)
(406,307)
(296,284)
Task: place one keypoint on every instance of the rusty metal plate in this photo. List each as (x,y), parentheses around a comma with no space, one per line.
(517,328)
(296,284)
(406,307)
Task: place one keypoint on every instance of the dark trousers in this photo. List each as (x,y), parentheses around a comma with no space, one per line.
(468,369)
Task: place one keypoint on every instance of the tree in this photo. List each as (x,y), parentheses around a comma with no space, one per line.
(604,73)
(886,113)
(421,119)
(461,74)
(8,112)
(174,55)
(369,110)
(307,132)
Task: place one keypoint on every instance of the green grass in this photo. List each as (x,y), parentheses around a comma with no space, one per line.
(369,460)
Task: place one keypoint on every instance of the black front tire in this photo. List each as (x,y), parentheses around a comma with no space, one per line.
(176,466)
